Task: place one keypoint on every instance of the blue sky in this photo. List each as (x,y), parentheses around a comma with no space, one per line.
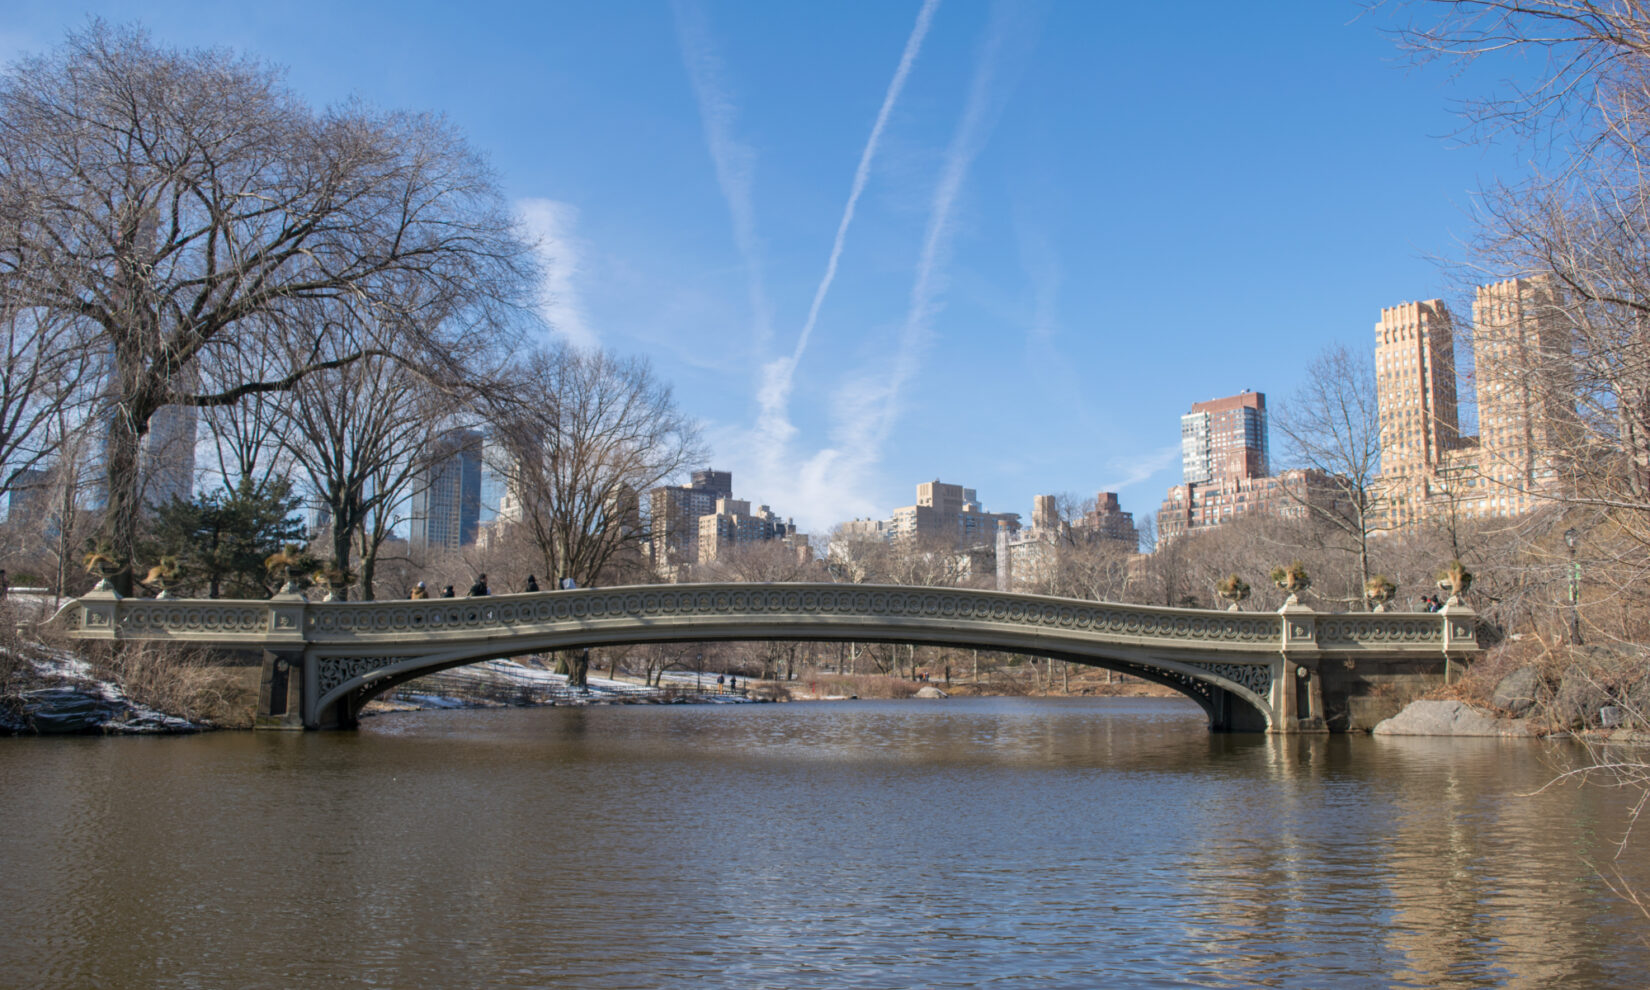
(1077,218)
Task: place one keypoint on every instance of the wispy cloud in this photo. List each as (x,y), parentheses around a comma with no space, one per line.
(832,482)
(549,227)
(734,161)
(872,405)
(775,390)
(1143,468)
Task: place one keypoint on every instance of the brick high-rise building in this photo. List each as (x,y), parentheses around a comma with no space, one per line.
(1108,521)
(1428,467)
(674,512)
(1288,495)
(1415,389)
(949,511)
(1044,512)
(1225,460)
(734,524)
(1224,438)
(1522,421)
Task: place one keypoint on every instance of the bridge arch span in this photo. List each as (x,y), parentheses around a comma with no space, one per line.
(1261,671)
(1232,696)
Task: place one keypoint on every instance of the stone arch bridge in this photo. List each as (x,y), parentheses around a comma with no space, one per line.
(1289,671)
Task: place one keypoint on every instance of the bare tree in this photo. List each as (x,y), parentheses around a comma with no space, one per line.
(1587,53)
(185,202)
(361,434)
(1333,426)
(1579,232)
(582,436)
(248,437)
(47,374)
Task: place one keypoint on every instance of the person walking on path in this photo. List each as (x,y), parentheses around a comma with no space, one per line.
(532,583)
(419,591)
(479,589)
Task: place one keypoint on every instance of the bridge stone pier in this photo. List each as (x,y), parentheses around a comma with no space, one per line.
(1295,670)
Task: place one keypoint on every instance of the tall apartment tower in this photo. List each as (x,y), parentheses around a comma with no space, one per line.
(718,483)
(1224,439)
(946,510)
(1415,387)
(1518,349)
(674,512)
(446,509)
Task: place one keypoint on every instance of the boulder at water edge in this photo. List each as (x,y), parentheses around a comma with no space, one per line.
(930,691)
(1519,691)
(1447,718)
(1579,698)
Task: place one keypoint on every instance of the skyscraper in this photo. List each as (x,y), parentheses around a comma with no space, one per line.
(1224,439)
(446,508)
(674,512)
(1520,353)
(1428,467)
(1415,387)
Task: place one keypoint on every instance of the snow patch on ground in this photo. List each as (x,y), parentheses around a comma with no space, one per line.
(71,700)
(492,683)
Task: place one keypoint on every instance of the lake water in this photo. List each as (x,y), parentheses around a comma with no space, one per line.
(962,843)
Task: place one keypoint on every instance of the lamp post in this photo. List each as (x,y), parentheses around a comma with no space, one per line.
(1570,539)
(698,666)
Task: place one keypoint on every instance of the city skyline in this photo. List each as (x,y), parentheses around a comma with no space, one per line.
(837,230)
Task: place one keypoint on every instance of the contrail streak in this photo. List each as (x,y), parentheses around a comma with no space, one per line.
(926,287)
(913,45)
(776,388)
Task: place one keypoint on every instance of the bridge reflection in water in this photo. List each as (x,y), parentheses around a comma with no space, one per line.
(1294,670)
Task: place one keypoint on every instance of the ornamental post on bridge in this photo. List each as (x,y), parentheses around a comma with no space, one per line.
(1297,691)
(99,616)
(286,678)
(1460,634)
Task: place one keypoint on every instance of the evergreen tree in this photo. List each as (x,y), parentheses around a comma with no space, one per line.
(221,538)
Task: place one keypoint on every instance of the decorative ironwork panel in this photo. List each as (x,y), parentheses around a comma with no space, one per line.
(1256,677)
(333,671)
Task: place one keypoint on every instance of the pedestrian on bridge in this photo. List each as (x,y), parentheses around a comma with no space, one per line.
(532,583)
(479,589)
(447,592)
(419,591)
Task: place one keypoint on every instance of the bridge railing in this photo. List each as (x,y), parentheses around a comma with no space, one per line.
(832,610)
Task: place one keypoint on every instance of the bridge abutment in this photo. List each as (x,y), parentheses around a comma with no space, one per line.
(281,691)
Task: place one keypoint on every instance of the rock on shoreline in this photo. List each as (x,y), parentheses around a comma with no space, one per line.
(1449,718)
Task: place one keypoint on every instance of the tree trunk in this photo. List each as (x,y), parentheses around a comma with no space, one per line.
(341,554)
(369,563)
(121,481)
(578,669)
